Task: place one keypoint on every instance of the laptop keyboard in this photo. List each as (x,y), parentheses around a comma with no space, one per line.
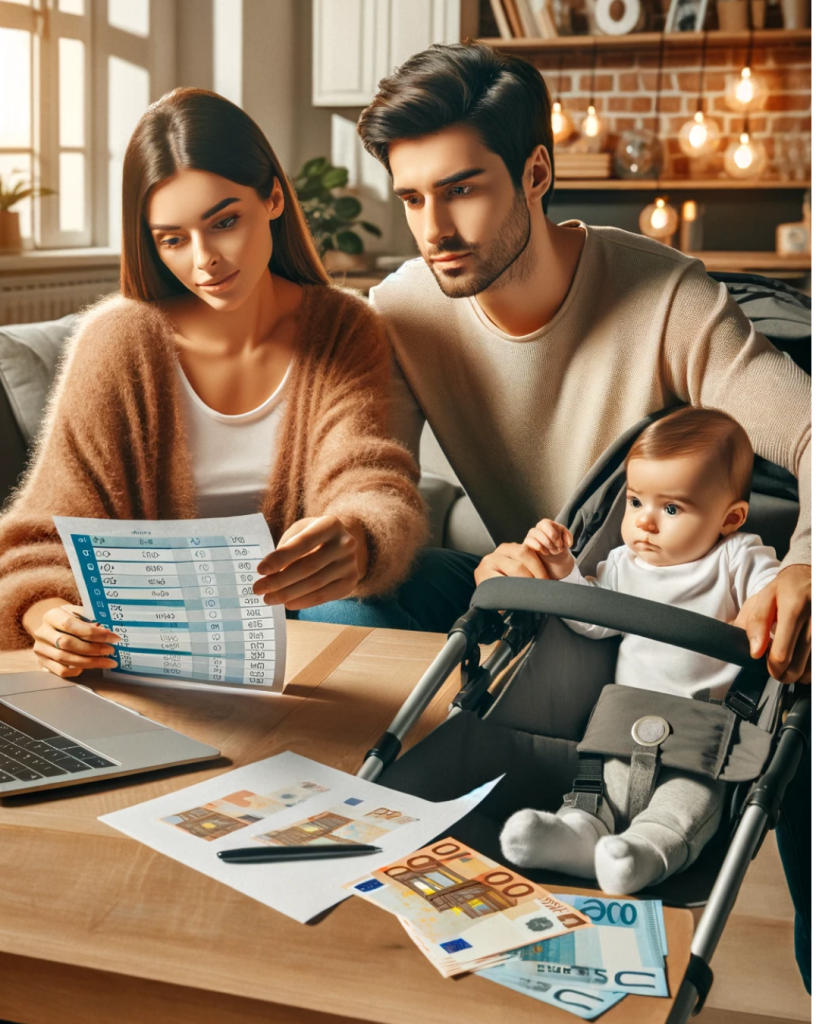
(30,750)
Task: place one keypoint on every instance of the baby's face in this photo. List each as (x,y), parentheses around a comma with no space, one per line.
(676,510)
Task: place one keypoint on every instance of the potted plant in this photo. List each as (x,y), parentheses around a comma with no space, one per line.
(331,218)
(10,239)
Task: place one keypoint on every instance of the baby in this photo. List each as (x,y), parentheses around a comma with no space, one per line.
(688,479)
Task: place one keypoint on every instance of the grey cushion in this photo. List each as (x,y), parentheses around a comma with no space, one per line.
(29,354)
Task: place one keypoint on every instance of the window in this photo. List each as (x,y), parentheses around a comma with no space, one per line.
(80,73)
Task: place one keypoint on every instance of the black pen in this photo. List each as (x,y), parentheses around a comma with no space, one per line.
(261,854)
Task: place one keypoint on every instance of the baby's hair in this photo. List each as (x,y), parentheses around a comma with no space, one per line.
(706,432)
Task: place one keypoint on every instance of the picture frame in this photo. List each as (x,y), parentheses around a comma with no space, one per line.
(686,16)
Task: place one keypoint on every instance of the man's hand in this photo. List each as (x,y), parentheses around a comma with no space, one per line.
(511,560)
(552,543)
(784,605)
(317,560)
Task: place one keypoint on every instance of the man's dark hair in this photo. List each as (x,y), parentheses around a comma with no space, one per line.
(502,97)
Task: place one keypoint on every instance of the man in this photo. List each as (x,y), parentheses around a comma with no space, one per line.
(530,346)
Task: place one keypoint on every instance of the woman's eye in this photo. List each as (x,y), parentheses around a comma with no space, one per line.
(227,222)
(172,242)
(672,510)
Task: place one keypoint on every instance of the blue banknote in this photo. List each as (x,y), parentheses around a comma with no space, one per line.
(623,953)
(582,1000)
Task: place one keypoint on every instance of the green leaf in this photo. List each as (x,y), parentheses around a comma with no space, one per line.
(335,177)
(312,191)
(314,168)
(372,229)
(327,245)
(347,207)
(349,242)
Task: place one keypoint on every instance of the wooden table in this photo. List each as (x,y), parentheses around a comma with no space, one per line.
(99,929)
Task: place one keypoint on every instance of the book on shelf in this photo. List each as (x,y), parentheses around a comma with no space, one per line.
(504,31)
(513,17)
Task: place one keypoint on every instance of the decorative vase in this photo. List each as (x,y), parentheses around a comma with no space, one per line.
(794,13)
(337,262)
(733,15)
(639,154)
(11,241)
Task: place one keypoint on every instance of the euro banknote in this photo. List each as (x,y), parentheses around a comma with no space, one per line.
(583,1001)
(624,952)
(464,910)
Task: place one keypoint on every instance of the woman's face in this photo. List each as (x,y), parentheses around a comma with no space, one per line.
(213,234)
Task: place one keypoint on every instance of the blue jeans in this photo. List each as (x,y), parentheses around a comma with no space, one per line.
(793,839)
(435,595)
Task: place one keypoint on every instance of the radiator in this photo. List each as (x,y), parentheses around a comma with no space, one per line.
(28,298)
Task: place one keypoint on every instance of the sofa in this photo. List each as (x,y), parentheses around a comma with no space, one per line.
(29,354)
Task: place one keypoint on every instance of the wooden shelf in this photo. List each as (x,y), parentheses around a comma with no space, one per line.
(739,261)
(671,184)
(651,40)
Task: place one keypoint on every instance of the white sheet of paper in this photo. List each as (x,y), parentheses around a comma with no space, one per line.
(180,594)
(308,802)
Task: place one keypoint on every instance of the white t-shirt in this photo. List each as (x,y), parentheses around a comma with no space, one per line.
(232,456)
(717,585)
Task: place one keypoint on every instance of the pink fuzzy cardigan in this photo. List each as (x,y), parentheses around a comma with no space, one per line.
(113,445)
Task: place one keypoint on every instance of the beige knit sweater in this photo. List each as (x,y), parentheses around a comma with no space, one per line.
(522,419)
(113,445)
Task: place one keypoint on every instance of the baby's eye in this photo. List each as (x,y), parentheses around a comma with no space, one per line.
(634,503)
(227,222)
(672,510)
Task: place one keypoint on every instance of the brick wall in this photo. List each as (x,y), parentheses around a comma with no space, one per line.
(625,87)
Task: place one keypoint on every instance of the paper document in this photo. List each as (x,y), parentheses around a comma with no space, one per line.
(464,910)
(624,952)
(288,800)
(180,594)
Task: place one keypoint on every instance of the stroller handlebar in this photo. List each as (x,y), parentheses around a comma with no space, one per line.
(621,612)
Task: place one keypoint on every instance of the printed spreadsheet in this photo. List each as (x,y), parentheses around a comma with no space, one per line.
(179,593)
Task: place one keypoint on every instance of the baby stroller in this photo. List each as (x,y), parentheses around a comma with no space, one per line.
(528,725)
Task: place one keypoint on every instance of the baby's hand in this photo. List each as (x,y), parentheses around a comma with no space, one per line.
(552,543)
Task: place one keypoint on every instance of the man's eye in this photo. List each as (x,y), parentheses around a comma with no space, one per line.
(672,510)
(462,190)
(227,222)
(411,200)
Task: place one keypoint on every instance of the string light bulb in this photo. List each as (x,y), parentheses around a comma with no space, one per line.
(699,135)
(562,124)
(659,220)
(594,130)
(745,157)
(746,91)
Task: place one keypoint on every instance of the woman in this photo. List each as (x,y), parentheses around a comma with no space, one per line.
(229,378)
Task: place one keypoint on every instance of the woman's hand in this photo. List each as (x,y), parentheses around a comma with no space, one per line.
(64,644)
(317,560)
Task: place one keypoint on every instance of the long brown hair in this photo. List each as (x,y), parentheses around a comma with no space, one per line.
(199,130)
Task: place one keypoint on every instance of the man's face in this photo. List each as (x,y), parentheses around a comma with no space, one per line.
(469,222)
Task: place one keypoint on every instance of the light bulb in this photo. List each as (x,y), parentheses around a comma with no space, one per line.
(562,123)
(746,91)
(659,220)
(594,131)
(699,135)
(745,158)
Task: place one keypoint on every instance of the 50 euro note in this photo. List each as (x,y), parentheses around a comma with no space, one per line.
(624,952)
(464,910)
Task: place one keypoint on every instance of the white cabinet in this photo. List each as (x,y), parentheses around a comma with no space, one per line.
(357,42)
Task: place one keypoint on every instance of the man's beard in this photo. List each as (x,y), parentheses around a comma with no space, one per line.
(506,259)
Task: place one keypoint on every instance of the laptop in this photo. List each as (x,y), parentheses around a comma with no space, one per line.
(57,733)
